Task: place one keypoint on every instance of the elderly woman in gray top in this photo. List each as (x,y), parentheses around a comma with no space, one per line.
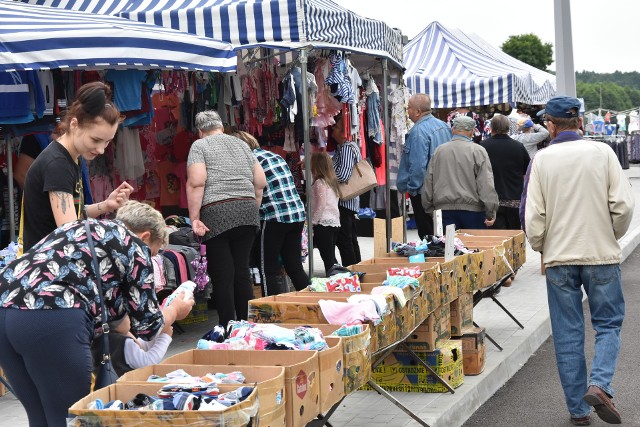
(224,192)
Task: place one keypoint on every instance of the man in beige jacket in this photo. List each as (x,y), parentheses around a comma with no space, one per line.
(459,180)
(577,203)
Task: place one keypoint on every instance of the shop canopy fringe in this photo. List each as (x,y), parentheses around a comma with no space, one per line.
(35,37)
(460,70)
(252,23)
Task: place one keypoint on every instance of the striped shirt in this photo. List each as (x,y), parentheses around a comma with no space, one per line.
(344,160)
(280,200)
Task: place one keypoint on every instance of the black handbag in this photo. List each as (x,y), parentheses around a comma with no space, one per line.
(106,375)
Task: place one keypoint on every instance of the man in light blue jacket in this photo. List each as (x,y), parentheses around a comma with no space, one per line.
(426,135)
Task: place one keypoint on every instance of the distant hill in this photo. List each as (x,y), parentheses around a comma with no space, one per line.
(616,91)
(631,79)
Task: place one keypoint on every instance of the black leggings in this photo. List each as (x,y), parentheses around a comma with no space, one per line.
(284,240)
(325,239)
(228,267)
(46,356)
(348,238)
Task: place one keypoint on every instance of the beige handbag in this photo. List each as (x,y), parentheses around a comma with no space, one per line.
(363,179)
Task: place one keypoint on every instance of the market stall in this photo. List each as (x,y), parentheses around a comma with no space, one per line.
(41,38)
(462,70)
(294,33)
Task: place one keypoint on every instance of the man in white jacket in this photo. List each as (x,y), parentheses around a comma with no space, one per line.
(577,203)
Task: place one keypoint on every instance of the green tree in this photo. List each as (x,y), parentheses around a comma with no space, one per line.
(614,96)
(529,49)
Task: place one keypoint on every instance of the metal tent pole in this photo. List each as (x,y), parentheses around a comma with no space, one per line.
(387,133)
(12,208)
(307,152)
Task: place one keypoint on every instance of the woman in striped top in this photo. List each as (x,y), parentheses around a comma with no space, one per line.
(344,160)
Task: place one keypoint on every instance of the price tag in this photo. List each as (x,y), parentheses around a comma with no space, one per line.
(437,223)
(449,242)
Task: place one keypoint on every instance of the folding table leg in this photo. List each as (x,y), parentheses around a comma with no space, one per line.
(395,401)
(507,311)
(427,367)
(489,337)
(323,420)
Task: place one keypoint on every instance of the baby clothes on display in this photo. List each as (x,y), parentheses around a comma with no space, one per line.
(128,159)
(634,122)
(127,86)
(346,313)
(169,184)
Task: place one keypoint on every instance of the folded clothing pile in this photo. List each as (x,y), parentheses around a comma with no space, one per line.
(176,397)
(245,335)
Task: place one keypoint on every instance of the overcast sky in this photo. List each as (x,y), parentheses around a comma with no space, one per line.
(606,34)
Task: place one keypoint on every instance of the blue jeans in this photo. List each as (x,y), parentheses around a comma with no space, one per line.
(603,286)
(463,219)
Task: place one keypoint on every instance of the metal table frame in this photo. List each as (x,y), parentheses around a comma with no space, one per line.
(379,356)
(491,292)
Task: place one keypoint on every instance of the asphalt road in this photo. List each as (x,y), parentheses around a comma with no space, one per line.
(534,398)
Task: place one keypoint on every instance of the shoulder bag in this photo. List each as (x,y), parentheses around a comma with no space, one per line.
(106,373)
(363,179)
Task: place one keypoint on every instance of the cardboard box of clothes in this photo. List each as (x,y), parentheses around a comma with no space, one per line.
(331,363)
(448,281)
(503,247)
(270,381)
(385,332)
(461,313)
(238,415)
(356,355)
(301,375)
(492,259)
(400,372)
(519,242)
(430,281)
(435,329)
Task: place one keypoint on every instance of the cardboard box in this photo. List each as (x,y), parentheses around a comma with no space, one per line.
(436,328)
(475,271)
(238,415)
(301,375)
(380,234)
(400,372)
(331,363)
(385,332)
(356,355)
(519,242)
(472,338)
(425,336)
(474,360)
(277,309)
(270,380)
(461,313)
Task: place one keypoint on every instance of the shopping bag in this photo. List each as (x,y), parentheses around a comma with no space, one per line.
(363,179)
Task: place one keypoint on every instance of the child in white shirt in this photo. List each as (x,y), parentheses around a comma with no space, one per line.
(325,214)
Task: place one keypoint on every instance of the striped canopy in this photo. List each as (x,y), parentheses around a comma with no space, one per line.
(250,23)
(460,70)
(36,37)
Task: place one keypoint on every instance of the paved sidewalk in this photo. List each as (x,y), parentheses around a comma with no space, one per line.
(526,300)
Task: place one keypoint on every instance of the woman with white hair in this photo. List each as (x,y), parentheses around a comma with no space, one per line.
(224,191)
(50,308)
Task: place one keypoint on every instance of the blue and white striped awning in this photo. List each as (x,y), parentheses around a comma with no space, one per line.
(458,70)
(285,24)
(39,37)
